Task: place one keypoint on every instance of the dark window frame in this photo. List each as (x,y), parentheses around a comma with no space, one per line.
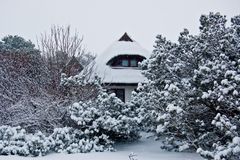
(118,61)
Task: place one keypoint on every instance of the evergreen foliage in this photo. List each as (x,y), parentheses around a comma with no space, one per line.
(17,44)
(15,141)
(107,115)
(192,97)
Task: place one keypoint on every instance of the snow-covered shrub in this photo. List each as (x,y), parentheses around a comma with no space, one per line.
(99,112)
(106,115)
(25,99)
(193,90)
(24,81)
(159,102)
(38,113)
(227,143)
(38,144)
(79,88)
(72,140)
(13,141)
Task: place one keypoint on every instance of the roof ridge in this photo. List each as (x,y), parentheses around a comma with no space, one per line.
(125,37)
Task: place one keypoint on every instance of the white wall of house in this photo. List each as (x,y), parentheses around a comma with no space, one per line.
(128,90)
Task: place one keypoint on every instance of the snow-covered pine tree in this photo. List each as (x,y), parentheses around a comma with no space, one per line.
(217,87)
(192,82)
(15,141)
(72,140)
(163,70)
(39,144)
(106,114)
(99,114)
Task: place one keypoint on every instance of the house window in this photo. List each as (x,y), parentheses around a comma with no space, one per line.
(120,93)
(125,63)
(133,63)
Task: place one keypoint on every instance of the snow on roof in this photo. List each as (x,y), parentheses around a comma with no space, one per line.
(124,46)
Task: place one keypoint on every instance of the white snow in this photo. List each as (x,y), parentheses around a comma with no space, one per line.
(172,107)
(183,147)
(173,87)
(236,140)
(235,92)
(237,78)
(160,128)
(119,75)
(229,73)
(224,82)
(205,95)
(144,149)
(204,68)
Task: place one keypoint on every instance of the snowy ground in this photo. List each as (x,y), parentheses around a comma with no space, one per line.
(145,149)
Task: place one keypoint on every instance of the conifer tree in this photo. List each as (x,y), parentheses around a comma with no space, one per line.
(194,89)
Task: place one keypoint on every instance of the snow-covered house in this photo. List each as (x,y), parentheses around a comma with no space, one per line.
(118,66)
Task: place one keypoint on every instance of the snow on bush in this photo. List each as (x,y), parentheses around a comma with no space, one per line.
(99,122)
(70,140)
(38,144)
(101,113)
(24,87)
(15,141)
(227,145)
(192,94)
(107,115)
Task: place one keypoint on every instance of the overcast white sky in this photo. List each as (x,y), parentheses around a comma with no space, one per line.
(104,21)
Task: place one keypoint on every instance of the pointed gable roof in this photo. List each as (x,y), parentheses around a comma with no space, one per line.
(125,37)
